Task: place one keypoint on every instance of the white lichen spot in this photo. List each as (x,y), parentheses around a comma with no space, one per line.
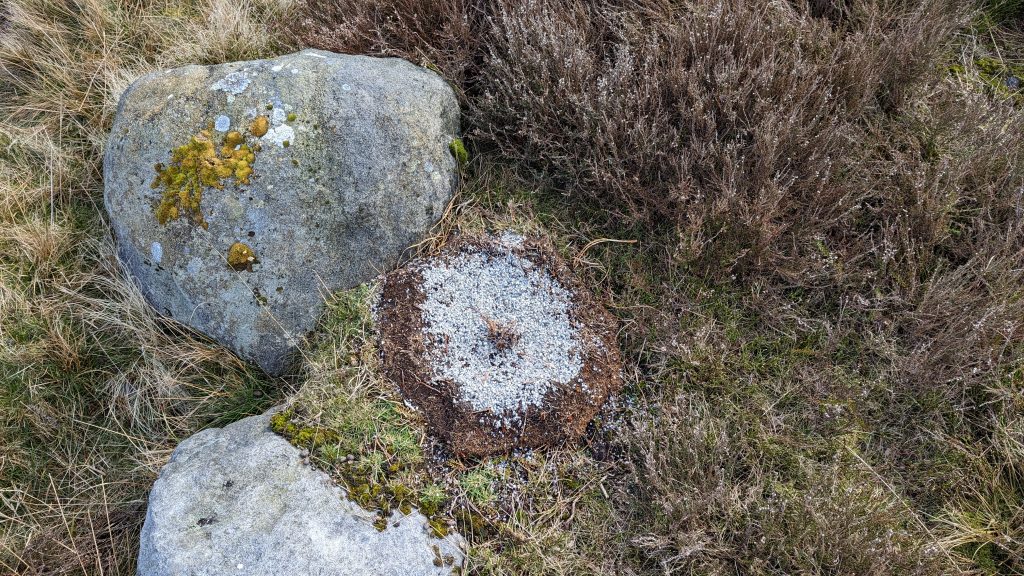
(169,96)
(156,251)
(277,68)
(428,166)
(277,116)
(222,123)
(295,70)
(234,83)
(315,55)
(279,135)
(346,87)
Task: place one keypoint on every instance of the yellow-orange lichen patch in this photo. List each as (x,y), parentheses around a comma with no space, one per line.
(259,126)
(241,256)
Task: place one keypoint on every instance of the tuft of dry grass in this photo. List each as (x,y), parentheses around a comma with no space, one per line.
(96,388)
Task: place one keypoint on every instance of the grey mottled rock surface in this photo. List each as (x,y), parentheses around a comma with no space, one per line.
(338,191)
(238,500)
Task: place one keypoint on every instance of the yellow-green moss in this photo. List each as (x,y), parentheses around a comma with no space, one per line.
(259,126)
(241,256)
(994,74)
(438,527)
(292,116)
(307,437)
(458,149)
(370,446)
(195,166)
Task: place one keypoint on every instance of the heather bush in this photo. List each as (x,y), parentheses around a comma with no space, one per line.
(849,175)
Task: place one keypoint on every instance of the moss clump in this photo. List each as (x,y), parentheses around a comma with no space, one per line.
(259,126)
(241,256)
(233,138)
(458,149)
(292,116)
(308,437)
(438,527)
(195,166)
(996,76)
(367,442)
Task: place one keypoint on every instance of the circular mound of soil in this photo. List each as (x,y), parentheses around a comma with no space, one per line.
(498,345)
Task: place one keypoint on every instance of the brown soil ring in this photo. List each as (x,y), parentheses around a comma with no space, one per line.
(568,408)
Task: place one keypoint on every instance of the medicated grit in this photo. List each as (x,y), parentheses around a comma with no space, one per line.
(463,294)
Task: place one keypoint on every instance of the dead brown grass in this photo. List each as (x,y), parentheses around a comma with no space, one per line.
(95,389)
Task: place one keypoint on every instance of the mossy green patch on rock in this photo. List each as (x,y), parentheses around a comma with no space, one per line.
(458,149)
(364,436)
(195,166)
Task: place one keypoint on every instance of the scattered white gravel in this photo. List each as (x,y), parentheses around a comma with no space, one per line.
(462,292)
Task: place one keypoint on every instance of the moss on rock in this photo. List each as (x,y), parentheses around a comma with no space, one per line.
(195,166)
(458,149)
(241,256)
(259,126)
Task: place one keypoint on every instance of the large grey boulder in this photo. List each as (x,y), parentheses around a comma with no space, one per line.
(316,171)
(239,500)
